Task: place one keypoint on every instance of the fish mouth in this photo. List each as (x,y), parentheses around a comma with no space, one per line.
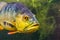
(32,28)
(36,25)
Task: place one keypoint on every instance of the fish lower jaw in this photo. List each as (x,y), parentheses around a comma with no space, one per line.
(29,30)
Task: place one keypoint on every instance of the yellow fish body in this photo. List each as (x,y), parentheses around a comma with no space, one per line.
(16,18)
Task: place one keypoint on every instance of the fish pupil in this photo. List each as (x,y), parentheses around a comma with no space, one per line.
(26,18)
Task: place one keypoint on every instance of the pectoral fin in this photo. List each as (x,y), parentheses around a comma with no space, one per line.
(10,33)
(1,28)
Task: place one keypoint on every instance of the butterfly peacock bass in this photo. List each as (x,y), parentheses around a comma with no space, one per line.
(17,18)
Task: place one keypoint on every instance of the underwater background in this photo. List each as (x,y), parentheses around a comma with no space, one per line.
(48,14)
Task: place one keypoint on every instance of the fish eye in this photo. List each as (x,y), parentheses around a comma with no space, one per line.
(26,18)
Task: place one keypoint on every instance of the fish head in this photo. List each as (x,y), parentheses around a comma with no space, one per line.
(26,23)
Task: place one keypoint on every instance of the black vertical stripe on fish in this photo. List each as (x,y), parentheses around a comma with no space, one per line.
(5,23)
(10,25)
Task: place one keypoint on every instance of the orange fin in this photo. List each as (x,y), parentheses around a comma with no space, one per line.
(1,28)
(12,32)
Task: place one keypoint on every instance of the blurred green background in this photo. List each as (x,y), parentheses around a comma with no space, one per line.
(47,22)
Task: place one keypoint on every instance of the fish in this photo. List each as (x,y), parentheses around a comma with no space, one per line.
(17,18)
